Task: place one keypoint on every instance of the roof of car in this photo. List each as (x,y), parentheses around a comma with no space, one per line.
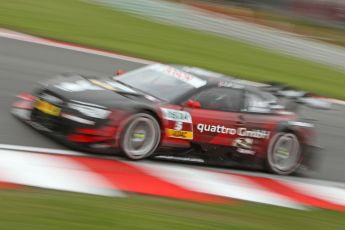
(215,78)
(208,75)
(219,79)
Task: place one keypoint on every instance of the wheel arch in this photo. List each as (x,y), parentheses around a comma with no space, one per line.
(288,128)
(154,113)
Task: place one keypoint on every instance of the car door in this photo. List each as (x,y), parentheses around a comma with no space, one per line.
(217,118)
(258,123)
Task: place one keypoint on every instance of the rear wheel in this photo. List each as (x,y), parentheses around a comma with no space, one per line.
(284,154)
(141,136)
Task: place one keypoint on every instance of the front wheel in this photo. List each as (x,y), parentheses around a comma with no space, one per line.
(284,154)
(141,136)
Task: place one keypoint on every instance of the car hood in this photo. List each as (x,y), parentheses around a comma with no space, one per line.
(98,91)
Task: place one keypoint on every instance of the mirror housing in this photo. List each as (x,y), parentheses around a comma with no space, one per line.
(193,104)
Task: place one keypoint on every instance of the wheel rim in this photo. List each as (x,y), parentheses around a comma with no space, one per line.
(141,137)
(285,153)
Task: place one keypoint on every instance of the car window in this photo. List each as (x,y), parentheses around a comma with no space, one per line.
(161,81)
(254,103)
(223,99)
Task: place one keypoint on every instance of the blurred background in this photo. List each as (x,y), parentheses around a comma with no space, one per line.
(320,19)
(299,43)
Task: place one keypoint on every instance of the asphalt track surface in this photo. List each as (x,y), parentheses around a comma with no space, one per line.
(23,64)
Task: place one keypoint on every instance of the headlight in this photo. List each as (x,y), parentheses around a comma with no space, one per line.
(90,111)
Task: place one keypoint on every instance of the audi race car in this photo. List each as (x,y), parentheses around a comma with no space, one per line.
(172,112)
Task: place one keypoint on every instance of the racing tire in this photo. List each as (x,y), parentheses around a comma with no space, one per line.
(141,136)
(284,154)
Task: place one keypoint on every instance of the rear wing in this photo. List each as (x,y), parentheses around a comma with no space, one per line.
(291,97)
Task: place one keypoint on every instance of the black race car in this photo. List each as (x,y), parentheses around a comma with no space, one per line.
(170,111)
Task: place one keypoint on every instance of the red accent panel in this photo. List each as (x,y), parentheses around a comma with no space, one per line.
(85,138)
(105,131)
(87,131)
(132,179)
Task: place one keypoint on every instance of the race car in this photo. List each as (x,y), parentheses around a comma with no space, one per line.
(170,112)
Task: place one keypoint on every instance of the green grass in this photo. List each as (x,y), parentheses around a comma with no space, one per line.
(43,209)
(97,26)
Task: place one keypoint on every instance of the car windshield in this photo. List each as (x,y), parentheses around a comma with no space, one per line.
(161,81)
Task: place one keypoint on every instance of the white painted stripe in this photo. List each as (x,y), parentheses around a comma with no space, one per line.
(218,184)
(51,172)
(335,195)
(27,38)
(19,165)
(284,179)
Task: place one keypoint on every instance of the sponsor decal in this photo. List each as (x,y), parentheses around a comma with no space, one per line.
(242,132)
(181,75)
(180,134)
(178,125)
(215,129)
(176,115)
(244,145)
(182,127)
(256,133)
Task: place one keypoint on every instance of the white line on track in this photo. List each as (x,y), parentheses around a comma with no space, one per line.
(47,171)
(218,184)
(335,195)
(239,172)
(34,166)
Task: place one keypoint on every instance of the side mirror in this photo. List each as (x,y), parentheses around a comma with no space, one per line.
(193,104)
(119,72)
